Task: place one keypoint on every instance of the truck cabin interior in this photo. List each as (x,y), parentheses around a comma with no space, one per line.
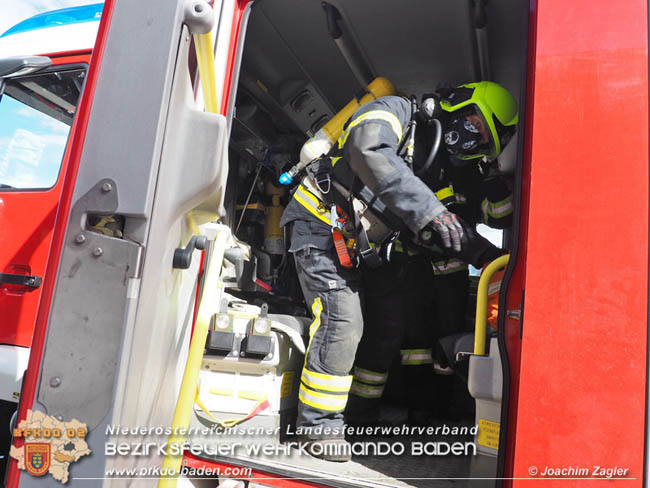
(302,62)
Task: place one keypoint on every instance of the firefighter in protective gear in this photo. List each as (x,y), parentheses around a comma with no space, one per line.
(366,157)
(480,120)
(479,196)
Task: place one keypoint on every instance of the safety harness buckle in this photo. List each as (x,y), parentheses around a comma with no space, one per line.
(323,183)
(366,252)
(335,221)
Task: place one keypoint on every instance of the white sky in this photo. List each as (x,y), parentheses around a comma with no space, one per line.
(13,11)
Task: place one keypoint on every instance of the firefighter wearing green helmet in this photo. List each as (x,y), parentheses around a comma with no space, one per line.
(421,297)
(482,119)
(364,191)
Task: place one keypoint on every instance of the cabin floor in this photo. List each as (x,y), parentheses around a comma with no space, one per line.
(389,470)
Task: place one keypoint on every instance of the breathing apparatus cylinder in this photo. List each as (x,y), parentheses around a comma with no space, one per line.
(273,233)
(322,141)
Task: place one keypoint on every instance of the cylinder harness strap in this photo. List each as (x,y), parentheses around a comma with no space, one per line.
(319,182)
(319,173)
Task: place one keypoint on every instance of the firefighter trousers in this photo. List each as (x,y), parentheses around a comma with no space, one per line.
(438,305)
(334,294)
(384,322)
(407,309)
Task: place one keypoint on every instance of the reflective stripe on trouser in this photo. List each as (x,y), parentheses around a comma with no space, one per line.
(368,384)
(369,377)
(325,382)
(329,402)
(335,332)
(419,335)
(366,391)
(416,356)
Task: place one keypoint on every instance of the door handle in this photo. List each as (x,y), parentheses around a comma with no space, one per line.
(183,257)
(32,282)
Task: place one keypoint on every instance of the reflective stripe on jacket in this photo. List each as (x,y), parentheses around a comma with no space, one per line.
(369,145)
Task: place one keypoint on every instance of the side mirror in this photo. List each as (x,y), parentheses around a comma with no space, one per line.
(22,65)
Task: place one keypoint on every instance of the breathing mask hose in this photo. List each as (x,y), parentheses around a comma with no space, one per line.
(434,148)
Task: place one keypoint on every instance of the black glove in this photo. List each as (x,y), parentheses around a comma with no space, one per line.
(448,226)
(473,248)
(477,250)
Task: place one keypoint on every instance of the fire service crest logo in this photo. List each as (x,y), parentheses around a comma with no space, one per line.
(37,458)
(51,445)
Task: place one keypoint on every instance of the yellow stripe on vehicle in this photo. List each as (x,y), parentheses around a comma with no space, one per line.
(222,391)
(251,395)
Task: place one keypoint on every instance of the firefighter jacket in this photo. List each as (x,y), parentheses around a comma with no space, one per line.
(367,155)
(473,196)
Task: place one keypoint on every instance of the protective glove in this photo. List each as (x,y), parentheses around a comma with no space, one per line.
(474,248)
(450,229)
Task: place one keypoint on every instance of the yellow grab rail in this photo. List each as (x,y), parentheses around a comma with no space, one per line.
(208,305)
(210,296)
(205,61)
(482,302)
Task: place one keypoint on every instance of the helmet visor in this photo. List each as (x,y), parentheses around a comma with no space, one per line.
(468,133)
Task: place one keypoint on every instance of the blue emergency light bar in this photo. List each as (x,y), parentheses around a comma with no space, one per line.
(54,18)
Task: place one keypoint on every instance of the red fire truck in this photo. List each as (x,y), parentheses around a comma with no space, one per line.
(140,216)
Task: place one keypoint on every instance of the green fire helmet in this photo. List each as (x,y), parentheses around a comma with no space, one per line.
(495,104)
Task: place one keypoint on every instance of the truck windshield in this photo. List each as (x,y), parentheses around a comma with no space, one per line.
(36,114)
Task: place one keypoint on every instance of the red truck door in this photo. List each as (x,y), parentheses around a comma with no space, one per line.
(36,116)
(106,348)
(578,396)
